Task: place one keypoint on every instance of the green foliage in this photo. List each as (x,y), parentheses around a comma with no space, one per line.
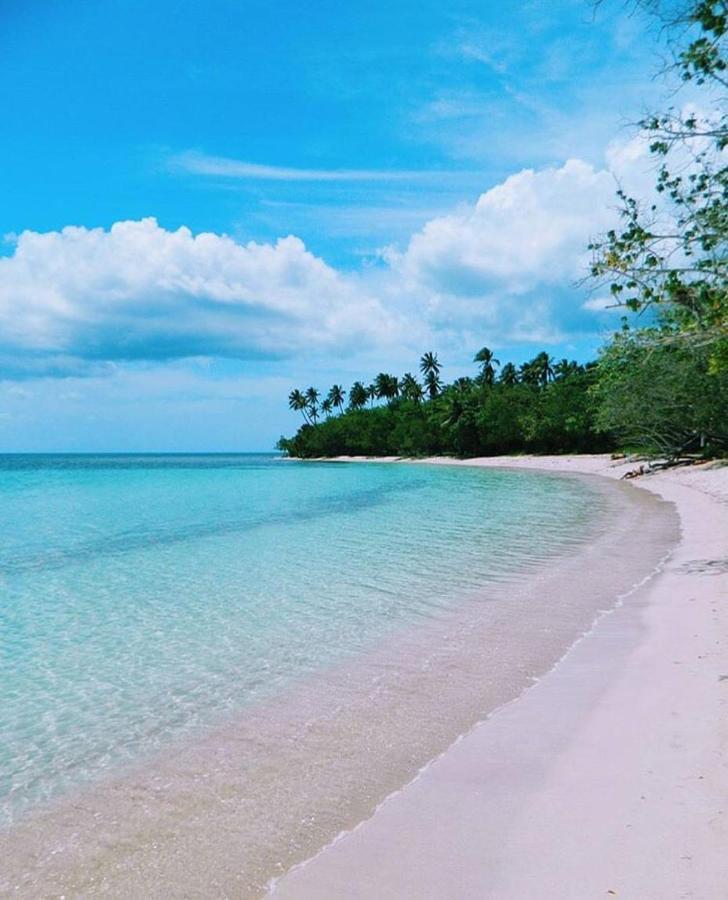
(663,388)
(551,410)
(672,254)
(660,396)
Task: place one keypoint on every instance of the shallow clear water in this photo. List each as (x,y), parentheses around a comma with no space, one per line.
(143,598)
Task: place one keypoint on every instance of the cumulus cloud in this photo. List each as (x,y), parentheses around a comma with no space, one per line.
(509,262)
(503,269)
(138,291)
(530,229)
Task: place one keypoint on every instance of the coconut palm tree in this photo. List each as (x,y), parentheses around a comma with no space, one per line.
(297,401)
(537,371)
(410,388)
(508,375)
(455,408)
(566,367)
(387,386)
(312,396)
(326,407)
(336,397)
(357,395)
(432,384)
(528,374)
(543,368)
(429,363)
(463,385)
(488,362)
(372,393)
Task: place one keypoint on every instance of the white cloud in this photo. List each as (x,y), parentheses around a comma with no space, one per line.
(138,291)
(508,264)
(531,229)
(600,304)
(202,164)
(501,270)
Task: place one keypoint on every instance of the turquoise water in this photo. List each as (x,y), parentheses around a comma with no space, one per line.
(143,598)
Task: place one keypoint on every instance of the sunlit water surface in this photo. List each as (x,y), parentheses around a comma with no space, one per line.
(145,598)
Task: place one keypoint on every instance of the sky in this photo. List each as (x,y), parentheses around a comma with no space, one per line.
(204,206)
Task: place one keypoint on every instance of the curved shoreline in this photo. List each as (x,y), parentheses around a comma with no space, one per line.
(625,790)
(136,834)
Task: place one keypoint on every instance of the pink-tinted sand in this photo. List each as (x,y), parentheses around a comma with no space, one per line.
(609,777)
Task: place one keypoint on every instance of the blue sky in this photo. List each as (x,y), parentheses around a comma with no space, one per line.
(206,205)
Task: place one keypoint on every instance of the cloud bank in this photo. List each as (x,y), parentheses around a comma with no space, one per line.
(140,292)
(499,270)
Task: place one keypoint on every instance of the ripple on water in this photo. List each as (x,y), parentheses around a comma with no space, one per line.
(148,598)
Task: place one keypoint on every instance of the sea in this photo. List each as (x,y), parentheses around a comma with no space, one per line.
(301,635)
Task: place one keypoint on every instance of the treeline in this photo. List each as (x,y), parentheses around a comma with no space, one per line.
(660,389)
(542,407)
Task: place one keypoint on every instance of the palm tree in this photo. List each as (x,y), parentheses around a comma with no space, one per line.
(357,395)
(372,394)
(542,367)
(336,397)
(312,396)
(297,401)
(528,374)
(537,371)
(326,407)
(410,388)
(462,385)
(565,368)
(429,363)
(455,408)
(432,384)
(387,386)
(509,374)
(488,362)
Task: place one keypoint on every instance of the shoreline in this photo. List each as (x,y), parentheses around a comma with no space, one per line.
(624,793)
(191,820)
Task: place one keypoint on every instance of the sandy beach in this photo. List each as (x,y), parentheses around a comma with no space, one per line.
(597,768)
(608,777)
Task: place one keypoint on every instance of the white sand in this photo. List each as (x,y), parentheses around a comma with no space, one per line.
(608,777)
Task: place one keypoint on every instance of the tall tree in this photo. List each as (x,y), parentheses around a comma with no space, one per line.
(387,386)
(357,395)
(488,362)
(566,367)
(509,375)
(432,384)
(297,401)
(312,397)
(463,385)
(538,371)
(410,388)
(429,364)
(336,397)
(671,252)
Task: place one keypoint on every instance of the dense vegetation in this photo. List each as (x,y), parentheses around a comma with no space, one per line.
(540,407)
(660,388)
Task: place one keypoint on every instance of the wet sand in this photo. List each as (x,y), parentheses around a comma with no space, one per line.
(609,777)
